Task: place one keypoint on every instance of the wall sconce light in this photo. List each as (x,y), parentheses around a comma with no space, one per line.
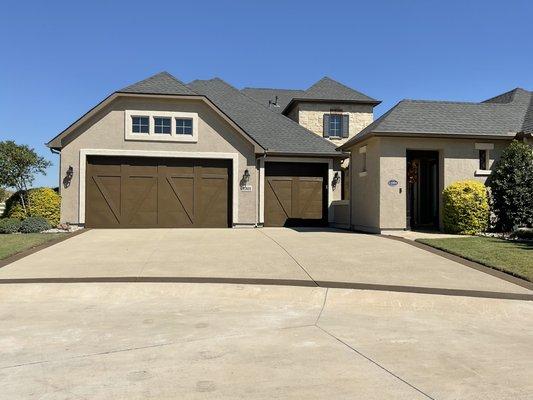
(335,181)
(246,177)
(68,177)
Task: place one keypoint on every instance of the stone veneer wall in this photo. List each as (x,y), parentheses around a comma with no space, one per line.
(311,116)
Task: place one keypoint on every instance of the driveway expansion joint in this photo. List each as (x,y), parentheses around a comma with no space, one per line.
(353,349)
(290,255)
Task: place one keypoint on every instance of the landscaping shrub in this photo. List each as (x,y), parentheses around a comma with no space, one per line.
(466,208)
(34,225)
(523,233)
(9,225)
(41,202)
(511,184)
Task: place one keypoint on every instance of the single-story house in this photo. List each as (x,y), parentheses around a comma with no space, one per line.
(162,153)
(401,162)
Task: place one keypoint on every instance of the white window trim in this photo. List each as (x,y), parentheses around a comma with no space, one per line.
(160,137)
(158,154)
(488,147)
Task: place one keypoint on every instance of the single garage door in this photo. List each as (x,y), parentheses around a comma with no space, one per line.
(140,192)
(295,194)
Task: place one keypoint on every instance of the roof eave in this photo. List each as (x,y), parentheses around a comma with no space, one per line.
(295,100)
(56,142)
(434,135)
(281,153)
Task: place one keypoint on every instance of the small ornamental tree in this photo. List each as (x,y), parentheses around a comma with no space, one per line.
(19,164)
(511,185)
(466,208)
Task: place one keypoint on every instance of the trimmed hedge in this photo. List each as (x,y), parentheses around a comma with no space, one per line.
(466,208)
(511,184)
(34,225)
(43,202)
(9,225)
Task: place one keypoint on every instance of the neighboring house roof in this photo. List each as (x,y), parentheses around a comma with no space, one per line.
(325,90)
(274,132)
(504,115)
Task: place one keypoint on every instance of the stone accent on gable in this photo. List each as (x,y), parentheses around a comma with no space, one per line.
(311,116)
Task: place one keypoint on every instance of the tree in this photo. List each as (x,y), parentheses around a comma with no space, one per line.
(19,164)
(511,184)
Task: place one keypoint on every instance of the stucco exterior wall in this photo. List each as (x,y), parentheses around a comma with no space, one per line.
(311,116)
(458,160)
(365,188)
(106,131)
(377,206)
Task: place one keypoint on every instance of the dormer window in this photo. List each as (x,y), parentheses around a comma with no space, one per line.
(336,125)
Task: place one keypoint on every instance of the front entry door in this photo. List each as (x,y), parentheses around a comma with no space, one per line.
(423,189)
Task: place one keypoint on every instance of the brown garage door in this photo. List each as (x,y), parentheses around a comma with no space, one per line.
(140,192)
(295,194)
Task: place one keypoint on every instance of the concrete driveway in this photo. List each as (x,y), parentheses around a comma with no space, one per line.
(275,254)
(168,340)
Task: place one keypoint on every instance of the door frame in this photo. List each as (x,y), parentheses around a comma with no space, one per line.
(262,161)
(158,154)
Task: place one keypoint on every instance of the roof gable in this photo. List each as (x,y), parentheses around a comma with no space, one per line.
(161,83)
(325,90)
(329,89)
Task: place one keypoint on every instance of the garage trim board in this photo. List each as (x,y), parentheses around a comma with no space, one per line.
(158,154)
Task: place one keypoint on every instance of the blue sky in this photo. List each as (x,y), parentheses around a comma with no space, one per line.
(61,58)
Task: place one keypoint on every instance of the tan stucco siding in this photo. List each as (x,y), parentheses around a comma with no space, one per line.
(458,160)
(364,196)
(106,130)
(311,116)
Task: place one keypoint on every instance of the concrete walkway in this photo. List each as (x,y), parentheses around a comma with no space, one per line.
(301,256)
(198,341)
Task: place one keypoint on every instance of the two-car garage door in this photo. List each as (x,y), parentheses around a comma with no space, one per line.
(140,192)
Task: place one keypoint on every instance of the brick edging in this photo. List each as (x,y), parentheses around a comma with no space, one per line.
(35,249)
(467,263)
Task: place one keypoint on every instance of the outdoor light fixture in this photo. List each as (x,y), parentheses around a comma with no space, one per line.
(68,177)
(246,177)
(336,179)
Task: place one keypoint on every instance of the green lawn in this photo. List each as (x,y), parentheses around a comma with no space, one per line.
(514,258)
(12,244)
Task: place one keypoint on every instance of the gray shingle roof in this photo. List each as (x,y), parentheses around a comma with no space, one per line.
(264,95)
(329,89)
(501,115)
(274,132)
(325,89)
(527,126)
(161,83)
